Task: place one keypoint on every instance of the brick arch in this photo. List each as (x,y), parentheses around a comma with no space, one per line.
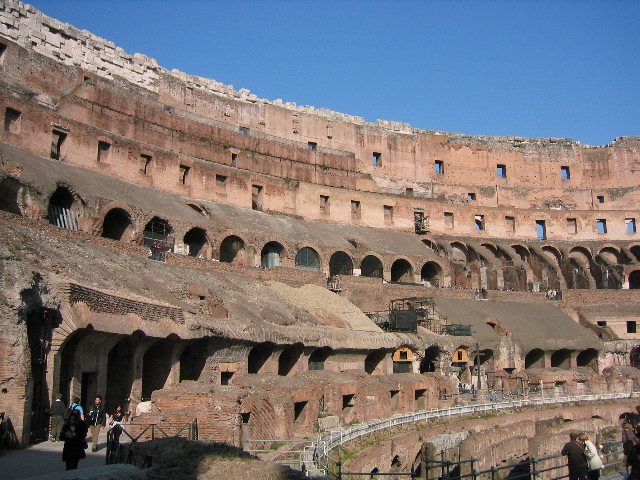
(322,259)
(340,263)
(370,267)
(610,252)
(287,249)
(432,271)
(402,273)
(219,244)
(206,250)
(101,217)
(633,278)
(456,245)
(581,250)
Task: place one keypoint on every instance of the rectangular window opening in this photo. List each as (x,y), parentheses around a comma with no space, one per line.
(12,120)
(501,171)
(234,159)
(438,166)
(257,195)
(600,198)
(388,214)
(631,225)
(324,205)
(541,230)
(602,323)
(601,225)
(510,223)
(479,219)
(57,140)
(471,196)
(408,191)
(312,146)
(565,172)
(246,416)
(631,326)
(221,182)
(355,210)
(347,402)
(145,163)
(448,219)
(184,173)
(572,226)
(103,151)
(377,159)
(225,378)
(299,410)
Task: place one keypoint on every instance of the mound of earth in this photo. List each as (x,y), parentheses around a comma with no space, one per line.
(181,459)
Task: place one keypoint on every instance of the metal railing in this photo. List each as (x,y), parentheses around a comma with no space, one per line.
(318,456)
(115,454)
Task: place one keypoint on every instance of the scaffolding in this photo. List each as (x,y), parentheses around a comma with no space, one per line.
(406,314)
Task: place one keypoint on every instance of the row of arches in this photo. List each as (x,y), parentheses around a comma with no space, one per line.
(552,266)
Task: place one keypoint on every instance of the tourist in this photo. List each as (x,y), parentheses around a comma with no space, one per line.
(97,420)
(633,460)
(115,422)
(576,458)
(58,408)
(75,407)
(629,438)
(74,435)
(593,459)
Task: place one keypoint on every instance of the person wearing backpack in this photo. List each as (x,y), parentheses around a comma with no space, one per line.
(74,408)
(58,410)
(97,420)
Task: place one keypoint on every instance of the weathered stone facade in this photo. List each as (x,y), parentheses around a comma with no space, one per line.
(166,237)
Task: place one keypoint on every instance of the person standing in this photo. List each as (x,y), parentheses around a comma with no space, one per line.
(58,408)
(576,458)
(97,419)
(74,436)
(75,406)
(593,459)
(116,421)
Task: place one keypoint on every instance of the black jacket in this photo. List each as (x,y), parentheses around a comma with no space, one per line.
(97,415)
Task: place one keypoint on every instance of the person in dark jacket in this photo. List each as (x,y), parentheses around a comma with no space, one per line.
(97,418)
(576,458)
(58,408)
(74,436)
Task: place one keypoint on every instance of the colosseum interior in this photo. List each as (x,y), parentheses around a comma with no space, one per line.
(275,270)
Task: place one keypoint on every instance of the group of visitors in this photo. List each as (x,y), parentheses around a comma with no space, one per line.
(70,425)
(583,458)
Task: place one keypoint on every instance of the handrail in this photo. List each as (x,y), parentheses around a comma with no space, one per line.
(318,457)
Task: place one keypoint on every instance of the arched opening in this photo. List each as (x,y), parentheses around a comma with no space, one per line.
(403,360)
(402,271)
(63,209)
(534,359)
(120,373)
(634,279)
(588,358)
(196,238)
(232,250)
(431,360)
(515,278)
(115,224)
(340,263)
(561,359)
(431,273)
(193,359)
(158,232)
(156,366)
(522,252)
(288,359)
(258,356)
(373,361)
(318,358)
(270,255)
(9,192)
(635,250)
(307,259)
(371,266)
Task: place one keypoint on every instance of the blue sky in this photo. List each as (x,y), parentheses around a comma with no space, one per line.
(534,68)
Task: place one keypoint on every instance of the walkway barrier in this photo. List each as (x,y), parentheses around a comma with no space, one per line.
(117,453)
(317,458)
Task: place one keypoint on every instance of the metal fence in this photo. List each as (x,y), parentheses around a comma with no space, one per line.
(317,459)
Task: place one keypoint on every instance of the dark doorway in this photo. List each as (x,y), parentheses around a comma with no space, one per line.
(115,224)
